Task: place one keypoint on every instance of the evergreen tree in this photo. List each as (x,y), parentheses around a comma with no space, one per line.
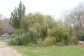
(17,15)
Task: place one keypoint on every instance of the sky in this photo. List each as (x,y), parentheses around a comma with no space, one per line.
(54,8)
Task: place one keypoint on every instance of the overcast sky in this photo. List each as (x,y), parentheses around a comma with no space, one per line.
(51,7)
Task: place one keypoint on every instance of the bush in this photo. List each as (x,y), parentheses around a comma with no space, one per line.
(43,30)
(16,41)
(73,40)
(25,38)
(49,41)
(40,42)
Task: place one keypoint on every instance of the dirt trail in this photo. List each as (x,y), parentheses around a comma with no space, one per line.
(7,51)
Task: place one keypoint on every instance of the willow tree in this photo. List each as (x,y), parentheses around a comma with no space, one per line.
(16,16)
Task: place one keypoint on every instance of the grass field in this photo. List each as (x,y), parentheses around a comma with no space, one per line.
(51,51)
(3,40)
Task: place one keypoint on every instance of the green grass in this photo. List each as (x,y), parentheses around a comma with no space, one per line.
(4,40)
(51,51)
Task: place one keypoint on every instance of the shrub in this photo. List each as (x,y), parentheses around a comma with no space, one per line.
(73,40)
(36,26)
(25,38)
(17,41)
(40,42)
(49,41)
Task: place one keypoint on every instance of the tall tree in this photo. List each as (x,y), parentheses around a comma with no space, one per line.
(75,18)
(17,15)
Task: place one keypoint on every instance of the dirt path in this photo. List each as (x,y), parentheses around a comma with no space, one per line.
(7,51)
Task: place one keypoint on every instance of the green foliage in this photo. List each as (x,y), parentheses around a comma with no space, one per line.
(35,27)
(62,34)
(17,15)
(49,41)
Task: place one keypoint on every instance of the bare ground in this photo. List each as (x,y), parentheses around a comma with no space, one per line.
(7,51)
